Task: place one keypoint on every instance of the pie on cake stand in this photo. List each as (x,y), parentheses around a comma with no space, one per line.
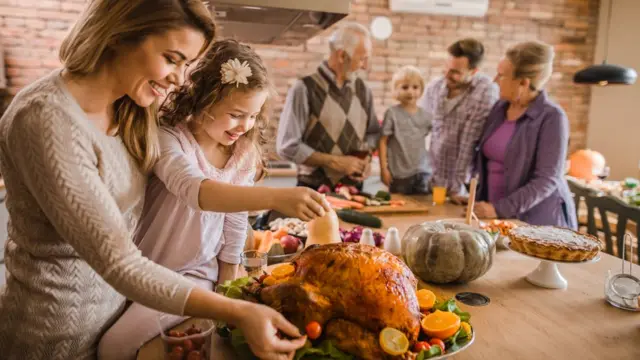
(552,246)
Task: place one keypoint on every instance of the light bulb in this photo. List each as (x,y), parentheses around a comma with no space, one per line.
(381,28)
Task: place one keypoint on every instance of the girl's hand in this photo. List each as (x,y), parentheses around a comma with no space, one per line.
(260,326)
(301,202)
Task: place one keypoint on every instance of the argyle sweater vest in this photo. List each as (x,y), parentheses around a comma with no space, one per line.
(337,124)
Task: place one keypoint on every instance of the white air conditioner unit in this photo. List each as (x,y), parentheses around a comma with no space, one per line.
(476,8)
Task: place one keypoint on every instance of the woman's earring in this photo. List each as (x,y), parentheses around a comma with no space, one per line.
(519,97)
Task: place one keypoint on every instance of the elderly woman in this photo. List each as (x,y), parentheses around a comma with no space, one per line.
(74,148)
(524,145)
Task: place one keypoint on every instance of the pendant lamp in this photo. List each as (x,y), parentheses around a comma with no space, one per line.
(606,74)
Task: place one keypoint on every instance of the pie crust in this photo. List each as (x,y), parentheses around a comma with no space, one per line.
(554,243)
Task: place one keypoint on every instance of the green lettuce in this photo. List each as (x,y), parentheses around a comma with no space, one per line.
(233,288)
(326,350)
(453,344)
(426,354)
(457,341)
(451,306)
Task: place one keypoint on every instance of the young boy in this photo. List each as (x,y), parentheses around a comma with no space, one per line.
(404,164)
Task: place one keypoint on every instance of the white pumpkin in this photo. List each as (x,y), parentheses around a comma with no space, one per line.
(448,252)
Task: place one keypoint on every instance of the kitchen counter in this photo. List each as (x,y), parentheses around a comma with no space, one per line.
(523,321)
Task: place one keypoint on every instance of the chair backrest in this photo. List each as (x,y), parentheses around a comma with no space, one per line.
(606,206)
(580,193)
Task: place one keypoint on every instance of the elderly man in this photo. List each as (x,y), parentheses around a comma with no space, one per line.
(459,102)
(328,125)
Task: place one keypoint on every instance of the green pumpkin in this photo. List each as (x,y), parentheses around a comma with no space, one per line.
(444,252)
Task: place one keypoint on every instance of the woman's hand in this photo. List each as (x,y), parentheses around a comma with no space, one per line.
(386,177)
(260,326)
(301,202)
(485,210)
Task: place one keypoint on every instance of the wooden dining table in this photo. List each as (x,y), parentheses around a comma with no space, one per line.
(521,321)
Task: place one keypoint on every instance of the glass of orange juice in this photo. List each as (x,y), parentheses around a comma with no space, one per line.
(439,195)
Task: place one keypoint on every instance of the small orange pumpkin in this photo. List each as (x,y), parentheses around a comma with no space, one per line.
(586,164)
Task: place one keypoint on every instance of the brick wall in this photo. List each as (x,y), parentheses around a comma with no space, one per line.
(31,30)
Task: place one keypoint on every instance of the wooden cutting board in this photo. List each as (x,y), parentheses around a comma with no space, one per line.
(411,206)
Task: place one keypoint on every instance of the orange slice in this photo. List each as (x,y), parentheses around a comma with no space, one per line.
(269,280)
(440,324)
(283,271)
(466,327)
(393,341)
(426,299)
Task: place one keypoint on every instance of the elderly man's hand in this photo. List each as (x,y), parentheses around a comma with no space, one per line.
(350,165)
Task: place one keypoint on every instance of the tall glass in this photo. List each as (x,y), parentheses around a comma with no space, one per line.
(254,262)
(439,195)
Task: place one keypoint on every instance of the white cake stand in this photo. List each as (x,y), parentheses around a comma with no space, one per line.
(547,275)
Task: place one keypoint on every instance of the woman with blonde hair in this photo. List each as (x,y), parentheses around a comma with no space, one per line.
(75,150)
(524,145)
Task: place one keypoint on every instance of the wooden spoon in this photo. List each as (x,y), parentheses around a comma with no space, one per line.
(472,199)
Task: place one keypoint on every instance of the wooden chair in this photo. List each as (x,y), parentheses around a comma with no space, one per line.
(624,213)
(580,194)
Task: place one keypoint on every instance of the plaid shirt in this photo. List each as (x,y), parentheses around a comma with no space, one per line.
(456,133)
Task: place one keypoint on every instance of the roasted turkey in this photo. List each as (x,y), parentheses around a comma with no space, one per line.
(354,291)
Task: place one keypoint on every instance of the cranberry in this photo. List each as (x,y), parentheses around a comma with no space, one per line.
(193,330)
(179,350)
(198,342)
(188,345)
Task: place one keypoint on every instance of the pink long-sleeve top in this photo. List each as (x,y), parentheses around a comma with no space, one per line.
(174,231)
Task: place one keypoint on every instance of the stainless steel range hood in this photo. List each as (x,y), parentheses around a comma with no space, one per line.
(279,22)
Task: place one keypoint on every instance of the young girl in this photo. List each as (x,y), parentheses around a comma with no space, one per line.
(403,155)
(210,144)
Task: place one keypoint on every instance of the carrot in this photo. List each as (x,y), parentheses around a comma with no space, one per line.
(344,203)
(280,233)
(397,202)
(359,198)
(266,243)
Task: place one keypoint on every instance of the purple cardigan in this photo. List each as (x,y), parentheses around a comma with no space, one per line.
(536,190)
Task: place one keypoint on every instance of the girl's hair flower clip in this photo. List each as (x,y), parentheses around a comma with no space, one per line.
(235,72)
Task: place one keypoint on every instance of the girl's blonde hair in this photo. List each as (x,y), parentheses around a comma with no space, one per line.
(532,60)
(408,72)
(204,88)
(107,24)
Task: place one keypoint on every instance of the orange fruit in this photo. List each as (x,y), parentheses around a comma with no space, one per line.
(440,324)
(426,299)
(466,327)
(393,341)
(283,271)
(269,280)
